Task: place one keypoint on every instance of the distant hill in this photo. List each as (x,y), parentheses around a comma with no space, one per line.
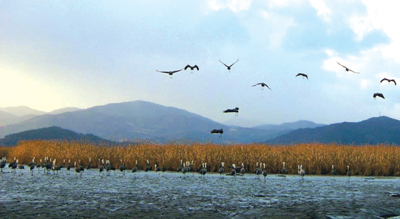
(375,130)
(64,110)
(290,125)
(21,111)
(51,133)
(7,118)
(141,120)
(241,122)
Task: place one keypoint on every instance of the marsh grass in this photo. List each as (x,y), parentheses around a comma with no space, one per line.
(367,160)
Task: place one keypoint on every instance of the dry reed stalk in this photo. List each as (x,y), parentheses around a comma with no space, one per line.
(316,158)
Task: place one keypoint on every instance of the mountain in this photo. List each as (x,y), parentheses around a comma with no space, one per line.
(8,118)
(51,133)
(239,121)
(22,111)
(64,110)
(301,124)
(376,130)
(141,120)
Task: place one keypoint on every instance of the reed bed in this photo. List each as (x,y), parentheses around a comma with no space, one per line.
(367,160)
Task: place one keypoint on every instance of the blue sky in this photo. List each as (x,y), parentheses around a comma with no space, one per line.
(56,54)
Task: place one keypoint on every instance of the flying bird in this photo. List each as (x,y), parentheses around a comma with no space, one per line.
(378,95)
(389,80)
(262,85)
(170,72)
(347,69)
(236,110)
(217,131)
(302,74)
(229,66)
(192,67)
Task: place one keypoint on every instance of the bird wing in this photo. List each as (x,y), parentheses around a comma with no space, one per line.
(162,71)
(175,71)
(234,63)
(187,66)
(354,71)
(268,87)
(223,63)
(379,95)
(256,84)
(342,65)
(299,74)
(197,67)
(394,82)
(385,79)
(170,72)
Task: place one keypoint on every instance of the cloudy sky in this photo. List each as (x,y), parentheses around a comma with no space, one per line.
(56,54)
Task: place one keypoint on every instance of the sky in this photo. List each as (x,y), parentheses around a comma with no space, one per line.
(56,54)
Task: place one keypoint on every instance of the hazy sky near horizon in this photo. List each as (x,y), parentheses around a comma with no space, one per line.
(56,54)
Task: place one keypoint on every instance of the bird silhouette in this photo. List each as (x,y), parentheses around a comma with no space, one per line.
(302,172)
(264,172)
(389,80)
(233,173)
(348,171)
(221,170)
(347,69)
(302,74)
(170,72)
(3,163)
(378,95)
(262,85)
(192,67)
(284,169)
(333,170)
(217,131)
(235,110)
(228,66)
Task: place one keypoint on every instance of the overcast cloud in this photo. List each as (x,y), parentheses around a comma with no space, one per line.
(56,54)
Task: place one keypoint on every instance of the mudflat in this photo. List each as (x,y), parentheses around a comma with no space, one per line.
(174,195)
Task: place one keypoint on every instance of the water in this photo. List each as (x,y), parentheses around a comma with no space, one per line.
(172,195)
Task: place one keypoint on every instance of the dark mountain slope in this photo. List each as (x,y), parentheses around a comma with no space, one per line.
(375,130)
(51,133)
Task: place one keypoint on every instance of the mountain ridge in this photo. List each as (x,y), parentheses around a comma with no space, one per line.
(52,133)
(290,125)
(140,120)
(375,130)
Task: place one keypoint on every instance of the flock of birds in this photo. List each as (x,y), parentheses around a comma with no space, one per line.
(262,84)
(105,167)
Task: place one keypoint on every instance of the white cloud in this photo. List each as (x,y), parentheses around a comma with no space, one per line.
(277,26)
(277,3)
(365,83)
(234,5)
(361,26)
(381,15)
(322,9)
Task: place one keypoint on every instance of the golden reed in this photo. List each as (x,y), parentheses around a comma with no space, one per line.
(367,160)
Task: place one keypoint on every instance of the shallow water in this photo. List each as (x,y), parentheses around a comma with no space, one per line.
(172,195)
